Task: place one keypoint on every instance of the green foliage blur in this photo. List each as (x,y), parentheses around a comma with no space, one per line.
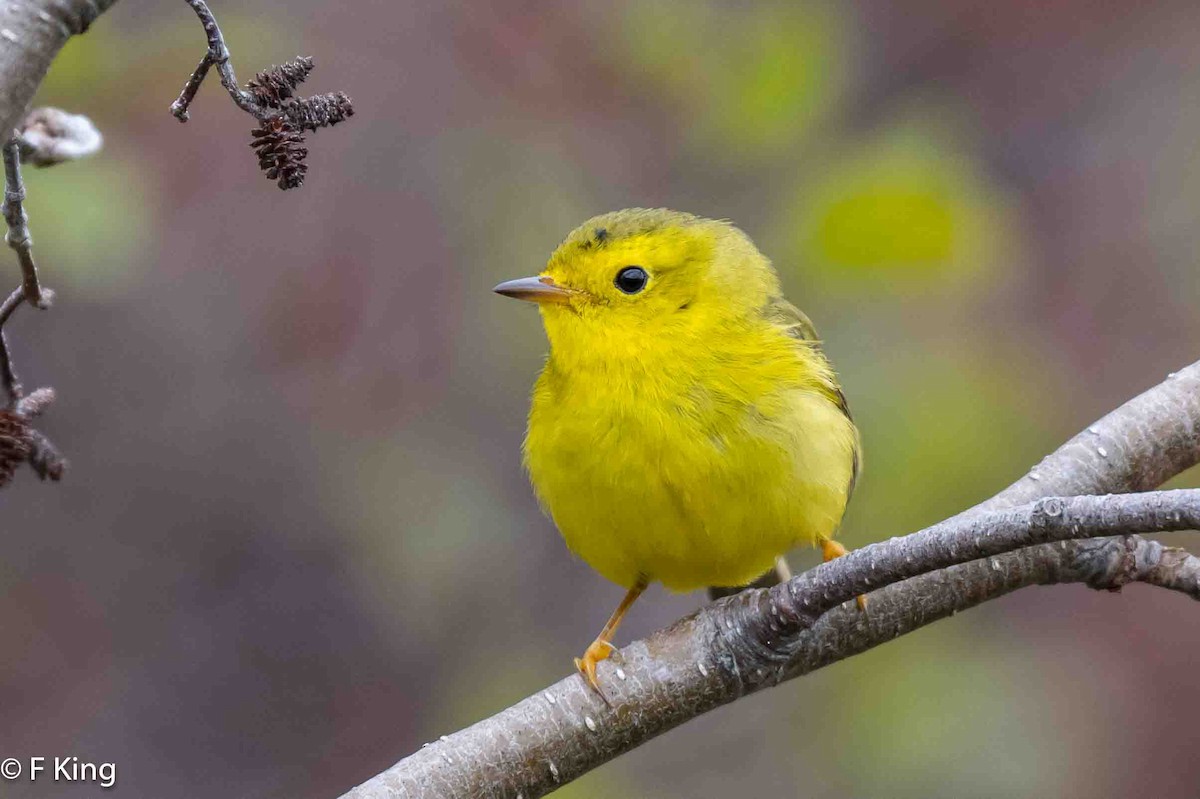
(296,541)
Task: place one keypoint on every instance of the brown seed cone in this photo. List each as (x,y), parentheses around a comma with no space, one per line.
(15,444)
(273,86)
(319,111)
(277,144)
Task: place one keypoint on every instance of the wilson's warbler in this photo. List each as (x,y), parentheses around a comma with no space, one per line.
(687,428)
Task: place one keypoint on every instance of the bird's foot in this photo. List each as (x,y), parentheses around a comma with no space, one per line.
(831,549)
(598,651)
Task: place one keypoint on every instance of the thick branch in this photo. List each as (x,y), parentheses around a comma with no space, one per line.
(39,29)
(973,536)
(759,638)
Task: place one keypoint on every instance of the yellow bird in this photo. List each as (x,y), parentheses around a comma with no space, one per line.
(687,428)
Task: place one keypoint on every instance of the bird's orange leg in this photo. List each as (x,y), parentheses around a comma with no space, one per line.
(602,647)
(831,549)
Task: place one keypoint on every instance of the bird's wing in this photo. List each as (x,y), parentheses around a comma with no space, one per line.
(792,321)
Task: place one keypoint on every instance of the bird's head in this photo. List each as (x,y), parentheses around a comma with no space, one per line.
(622,276)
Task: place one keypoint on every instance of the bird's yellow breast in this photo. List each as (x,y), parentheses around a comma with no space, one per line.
(686,462)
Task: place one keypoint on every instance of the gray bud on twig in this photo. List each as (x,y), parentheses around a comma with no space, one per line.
(50,136)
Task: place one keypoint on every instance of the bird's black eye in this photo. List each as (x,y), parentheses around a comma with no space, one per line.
(631,279)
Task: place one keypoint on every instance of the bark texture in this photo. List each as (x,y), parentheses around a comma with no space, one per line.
(762,637)
(31,34)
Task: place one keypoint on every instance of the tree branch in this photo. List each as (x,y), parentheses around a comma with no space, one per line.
(34,33)
(8,375)
(18,236)
(217,54)
(46,137)
(759,638)
(270,99)
(19,442)
(39,29)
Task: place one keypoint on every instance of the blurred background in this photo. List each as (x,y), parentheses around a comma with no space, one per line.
(296,542)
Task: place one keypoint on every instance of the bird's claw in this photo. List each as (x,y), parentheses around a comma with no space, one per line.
(830,550)
(598,651)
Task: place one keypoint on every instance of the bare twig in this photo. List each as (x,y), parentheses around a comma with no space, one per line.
(47,136)
(269,98)
(217,55)
(8,377)
(32,404)
(759,638)
(54,136)
(18,236)
(44,458)
(10,304)
(180,107)
(19,442)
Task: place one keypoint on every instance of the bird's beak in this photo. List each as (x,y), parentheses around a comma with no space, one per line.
(535,289)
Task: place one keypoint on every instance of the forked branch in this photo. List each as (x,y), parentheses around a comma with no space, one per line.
(761,637)
(270,98)
(35,32)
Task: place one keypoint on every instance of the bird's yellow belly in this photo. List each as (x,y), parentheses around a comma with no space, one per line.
(691,501)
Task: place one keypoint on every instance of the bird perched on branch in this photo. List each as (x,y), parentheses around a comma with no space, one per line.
(687,428)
